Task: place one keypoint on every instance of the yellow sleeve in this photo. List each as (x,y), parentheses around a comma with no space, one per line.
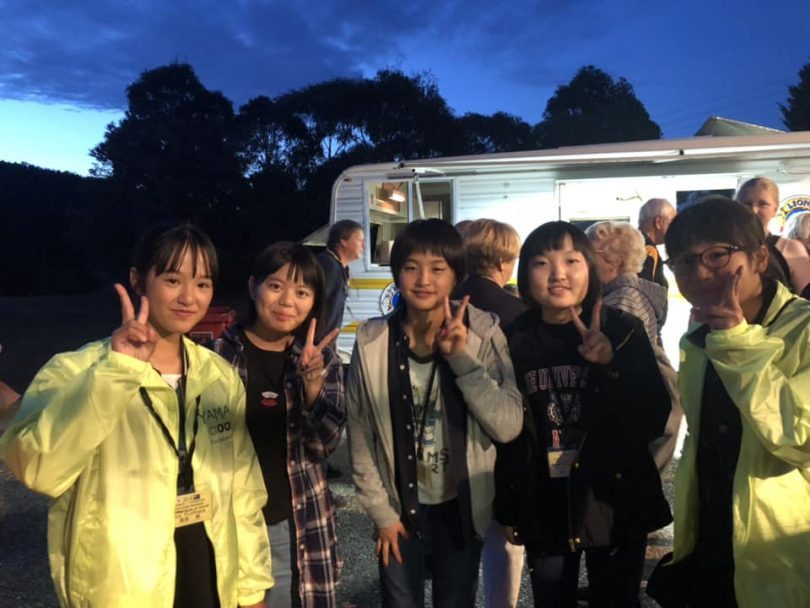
(768,378)
(71,407)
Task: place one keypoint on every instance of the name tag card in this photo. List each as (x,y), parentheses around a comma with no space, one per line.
(560,462)
(193,508)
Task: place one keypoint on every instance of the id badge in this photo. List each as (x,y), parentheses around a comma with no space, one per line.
(193,508)
(560,462)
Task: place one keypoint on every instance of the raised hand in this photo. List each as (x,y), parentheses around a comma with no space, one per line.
(595,346)
(723,310)
(135,337)
(311,363)
(452,338)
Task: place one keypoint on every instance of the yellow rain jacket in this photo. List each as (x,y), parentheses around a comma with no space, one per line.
(766,371)
(85,437)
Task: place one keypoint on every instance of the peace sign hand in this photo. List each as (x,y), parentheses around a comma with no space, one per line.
(452,338)
(311,363)
(721,309)
(595,346)
(135,338)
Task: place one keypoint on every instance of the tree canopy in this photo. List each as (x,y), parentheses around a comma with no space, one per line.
(265,172)
(594,108)
(796,112)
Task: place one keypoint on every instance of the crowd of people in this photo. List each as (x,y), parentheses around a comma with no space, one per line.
(486,430)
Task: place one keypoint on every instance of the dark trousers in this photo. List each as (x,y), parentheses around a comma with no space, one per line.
(614,576)
(453,568)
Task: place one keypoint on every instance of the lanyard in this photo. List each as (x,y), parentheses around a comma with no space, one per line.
(425,403)
(185,476)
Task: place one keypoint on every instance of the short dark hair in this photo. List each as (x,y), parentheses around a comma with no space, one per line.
(303,264)
(429,236)
(341,230)
(163,247)
(550,237)
(717,218)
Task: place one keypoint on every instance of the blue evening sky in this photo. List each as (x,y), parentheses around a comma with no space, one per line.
(64,66)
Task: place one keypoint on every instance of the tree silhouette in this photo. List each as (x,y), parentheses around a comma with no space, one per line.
(172,155)
(500,132)
(796,112)
(593,108)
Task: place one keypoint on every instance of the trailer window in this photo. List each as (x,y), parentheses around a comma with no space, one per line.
(388,216)
(393,204)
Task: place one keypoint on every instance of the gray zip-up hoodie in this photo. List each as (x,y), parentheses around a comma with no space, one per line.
(484,375)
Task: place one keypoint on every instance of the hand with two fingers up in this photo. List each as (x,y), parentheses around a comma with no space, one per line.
(452,338)
(135,337)
(721,309)
(596,346)
(311,363)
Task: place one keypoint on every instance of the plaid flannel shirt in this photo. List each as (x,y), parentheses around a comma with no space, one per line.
(312,434)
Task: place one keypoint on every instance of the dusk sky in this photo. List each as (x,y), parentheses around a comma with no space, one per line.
(64,66)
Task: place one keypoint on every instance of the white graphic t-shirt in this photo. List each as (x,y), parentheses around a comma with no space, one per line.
(435,482)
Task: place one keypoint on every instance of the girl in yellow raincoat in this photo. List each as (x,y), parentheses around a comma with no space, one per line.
(141,441)
(742,489)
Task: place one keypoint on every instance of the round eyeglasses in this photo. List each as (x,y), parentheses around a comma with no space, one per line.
(714,258)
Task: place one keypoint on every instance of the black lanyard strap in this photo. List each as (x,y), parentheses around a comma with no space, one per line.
(423,413)
(185,476)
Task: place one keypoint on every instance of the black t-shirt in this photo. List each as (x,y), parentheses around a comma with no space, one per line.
(266,416)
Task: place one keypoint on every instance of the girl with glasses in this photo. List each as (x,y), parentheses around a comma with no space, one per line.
(741,491)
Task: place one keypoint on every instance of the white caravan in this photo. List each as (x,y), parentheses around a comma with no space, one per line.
(579,184)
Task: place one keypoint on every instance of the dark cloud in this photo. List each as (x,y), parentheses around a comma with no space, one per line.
(485,55)
(87,52)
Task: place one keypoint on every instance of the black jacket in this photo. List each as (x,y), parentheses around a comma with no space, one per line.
(614,489)
(487,295)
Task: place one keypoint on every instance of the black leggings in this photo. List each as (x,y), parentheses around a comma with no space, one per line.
(614,576)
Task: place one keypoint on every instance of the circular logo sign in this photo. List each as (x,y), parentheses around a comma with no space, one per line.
(389,298)
(793,205)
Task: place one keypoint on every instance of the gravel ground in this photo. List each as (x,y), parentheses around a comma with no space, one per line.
(25,582)
(35,328)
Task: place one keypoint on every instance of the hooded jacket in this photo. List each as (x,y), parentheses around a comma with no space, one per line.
(766,371)
(85,437)
(483,373)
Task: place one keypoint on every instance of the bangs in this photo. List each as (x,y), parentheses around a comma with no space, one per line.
(170,260)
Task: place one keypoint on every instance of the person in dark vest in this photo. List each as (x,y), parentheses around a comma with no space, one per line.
(345,244)
(654,219)
(430,387)
(761,195)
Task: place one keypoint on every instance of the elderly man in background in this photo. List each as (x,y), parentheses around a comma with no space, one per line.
(654,219)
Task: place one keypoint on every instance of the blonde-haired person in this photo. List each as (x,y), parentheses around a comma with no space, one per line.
(492,249)
(620,254)
(761,195)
